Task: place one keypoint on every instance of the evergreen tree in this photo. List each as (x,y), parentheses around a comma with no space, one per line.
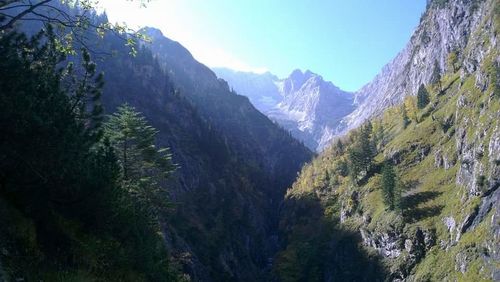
(59,179)
(390,187)
(143,165)
(436,75)
(422,97)
(362,152)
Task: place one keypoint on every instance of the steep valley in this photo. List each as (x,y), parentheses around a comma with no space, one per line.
(404,187)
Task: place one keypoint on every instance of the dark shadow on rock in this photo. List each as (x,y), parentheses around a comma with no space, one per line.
(315,247)
(416,214)
(415,199)
(412,212)
(376,168)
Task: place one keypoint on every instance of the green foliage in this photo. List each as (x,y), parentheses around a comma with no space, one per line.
(436,75)
(362,152)
(64,212)
(390,187)
(404,114)
(422,97)
(452,61)
(143,165)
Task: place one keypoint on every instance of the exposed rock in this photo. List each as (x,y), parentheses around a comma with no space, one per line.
(415,246)
(389,244)
(461,262)
(304,103)
(493,245)
(466,223)
(441,31)
(442,160)
(449,221)
(494,159)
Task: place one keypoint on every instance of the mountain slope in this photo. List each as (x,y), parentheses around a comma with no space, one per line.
(446,28)
(234,166)
(446,222)
(303,103)
(234,163)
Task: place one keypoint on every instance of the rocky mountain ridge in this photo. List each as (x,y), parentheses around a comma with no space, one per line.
(303,103)
(445,28)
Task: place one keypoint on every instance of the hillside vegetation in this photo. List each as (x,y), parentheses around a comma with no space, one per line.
(443,223)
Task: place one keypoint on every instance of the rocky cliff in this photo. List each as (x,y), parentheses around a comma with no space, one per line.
(445,155)
(447,27)
(303,103)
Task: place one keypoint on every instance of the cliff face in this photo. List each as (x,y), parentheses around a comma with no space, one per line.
(314,105)
(303,103)
(446,27)
(446,162)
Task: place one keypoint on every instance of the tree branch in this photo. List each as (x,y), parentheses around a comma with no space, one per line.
(19,16)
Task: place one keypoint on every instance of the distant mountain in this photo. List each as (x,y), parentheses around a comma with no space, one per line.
(303,103)
(261,89)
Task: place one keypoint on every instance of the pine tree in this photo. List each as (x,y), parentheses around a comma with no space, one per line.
(143,165)
(362,152)
(388,185)
(422,97)
(391,190)
(436,75)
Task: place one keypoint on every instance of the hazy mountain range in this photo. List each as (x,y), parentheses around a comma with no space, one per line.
(303,103)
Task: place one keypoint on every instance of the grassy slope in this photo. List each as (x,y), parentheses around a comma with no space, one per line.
(430,194)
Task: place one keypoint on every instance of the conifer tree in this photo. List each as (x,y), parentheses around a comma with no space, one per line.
(390,187)
(143,165)
(422,97)
(436,75)
(362,152)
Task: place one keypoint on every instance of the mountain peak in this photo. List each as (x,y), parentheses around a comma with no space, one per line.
(152,32)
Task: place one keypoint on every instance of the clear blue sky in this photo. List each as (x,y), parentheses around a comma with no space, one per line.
(346,41)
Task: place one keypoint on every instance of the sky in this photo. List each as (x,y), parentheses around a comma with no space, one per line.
(345,41)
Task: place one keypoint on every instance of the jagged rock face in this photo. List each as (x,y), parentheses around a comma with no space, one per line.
(261,89)
(444,28)
(304,103)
